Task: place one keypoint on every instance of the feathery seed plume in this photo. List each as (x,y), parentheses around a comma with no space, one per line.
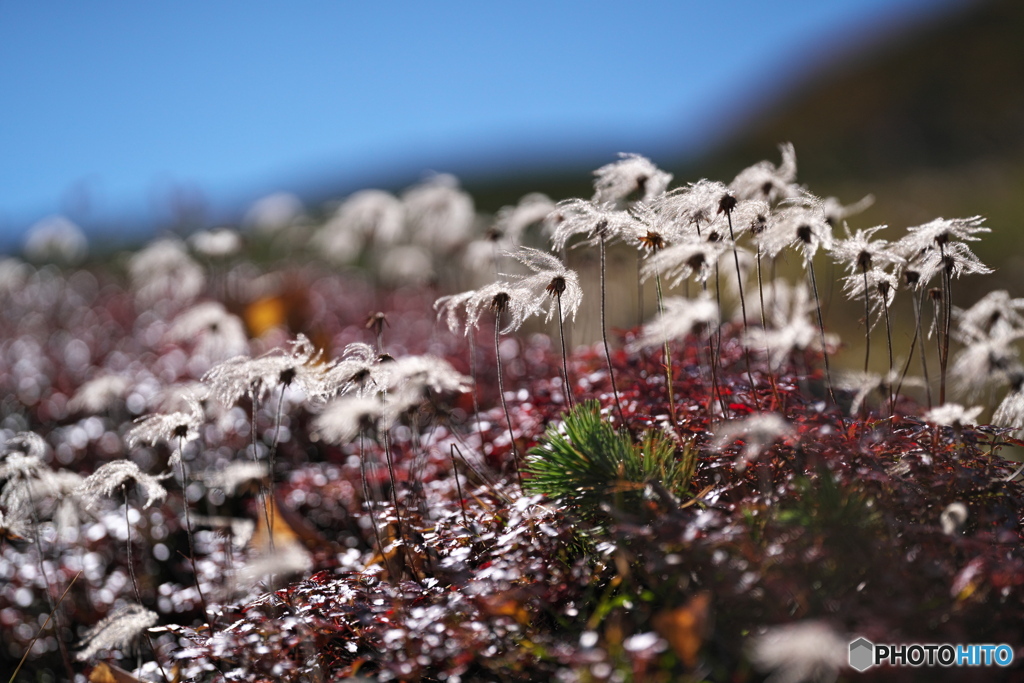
(118,631)
(113,475)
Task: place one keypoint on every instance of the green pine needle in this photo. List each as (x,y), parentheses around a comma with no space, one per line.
(590,465)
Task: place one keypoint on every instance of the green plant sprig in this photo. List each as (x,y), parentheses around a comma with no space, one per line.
(590,465)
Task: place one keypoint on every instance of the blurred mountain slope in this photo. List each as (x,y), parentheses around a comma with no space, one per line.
(928,119)
(948,94)
(931,123)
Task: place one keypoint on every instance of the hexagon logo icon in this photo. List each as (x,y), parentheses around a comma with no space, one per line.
(862,654)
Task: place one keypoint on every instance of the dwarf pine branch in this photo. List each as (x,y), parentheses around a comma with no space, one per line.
(591,465)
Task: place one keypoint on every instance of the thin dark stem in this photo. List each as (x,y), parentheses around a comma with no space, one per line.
(565,356)
(913,347)
(482,476)
(888,336)
(256,459)
(604,335)
(669,375)
(394,481)
(924,355)
(716,356)
(937,324)
(270,463)
(821,330)
(131,564)
(715,390)
(947,311)
(418,462)
(135,585)
(188,531)
(718,302)
(156,656)
(46,580)
(764,328)
(42,628)
(472,371)
(501,393)
(369,502)
(568,333)
(273,449)
(458,486)
(743,310)
(867,319)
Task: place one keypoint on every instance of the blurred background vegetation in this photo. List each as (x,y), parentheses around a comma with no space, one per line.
(927,116)
(929,121)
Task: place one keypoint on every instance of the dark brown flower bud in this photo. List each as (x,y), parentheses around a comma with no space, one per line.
(726,204)
(653,241)
(556,286)
(500,302)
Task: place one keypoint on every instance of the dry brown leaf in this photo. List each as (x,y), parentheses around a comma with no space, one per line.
(686,627)
(108,673)
(289,528)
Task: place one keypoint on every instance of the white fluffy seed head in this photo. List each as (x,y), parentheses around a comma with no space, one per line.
(112,476)
(681,317)
(117,631)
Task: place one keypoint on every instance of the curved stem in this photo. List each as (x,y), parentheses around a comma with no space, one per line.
(369,502)
(910,354)
(669,375)
(256,459)
(715,391)
(743,310)
(458,486)
(188,531)
(718,302)
(471,333)
(937,326)
(867,319)
(46,623)
(131,565)
(394,480)
(821,330)
(947,311)
(565,356)
(138,594)
(273,450)
(764,328)
(889,376)
(924,355)
(46,580)
(501,393)
(715,340)
(604,334)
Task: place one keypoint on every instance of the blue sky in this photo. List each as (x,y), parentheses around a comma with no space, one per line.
(108,105)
